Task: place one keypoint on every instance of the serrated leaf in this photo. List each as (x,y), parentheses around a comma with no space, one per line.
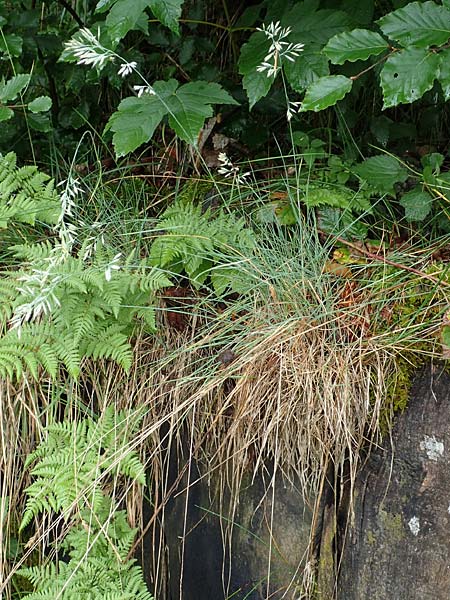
(168,12)
(417,204)
(13,87)
(335,221)
(104,5)
(325,92)
(420,23)
(354,45)
(125,16)
(444,73)
(407,75)
(135,121)
(5,113)
(188,106)
(256,84)
(11,44)
(40,122)
(40,104)
(382,172)
(308,67)
(191,106)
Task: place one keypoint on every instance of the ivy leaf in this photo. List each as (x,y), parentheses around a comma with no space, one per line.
(382,172)
(308,67)
(125,16)
(408,74)
(256,84)
(420,23)
(190,106)
(5,113)
(354,45)
(325,92)
(40,104)
(13,87)
(417,204)
(167,12)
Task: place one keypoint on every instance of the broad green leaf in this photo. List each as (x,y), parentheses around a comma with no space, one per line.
(104,5)
(124,16)
(343,223)
(11,44)
(40,122)
(361,12)
(167,12)
(13,87)
(445,333)
(136,119)
(354,45)
(325,92)
(316,27)
(382,172)
(380,128)
(190,106)
(40,104)
(187,106)
(407,75)
(434,161)
(417,204)
(444,73)
(308,67)
(252,55)
(5,113)
(420,23)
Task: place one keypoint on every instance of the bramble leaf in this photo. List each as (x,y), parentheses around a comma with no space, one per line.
(382,172)
(417,204)
(188,106)
(125,16)
(167,12)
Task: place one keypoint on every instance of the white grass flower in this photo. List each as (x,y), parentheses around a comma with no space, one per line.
(292,109)
(88,50)
(144,89)
(112,266)
(227,169)
(127,68)
(279,49)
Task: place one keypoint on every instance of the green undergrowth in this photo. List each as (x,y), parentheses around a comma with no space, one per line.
(209,297)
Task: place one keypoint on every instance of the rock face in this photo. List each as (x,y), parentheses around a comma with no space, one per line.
(399,547)
(269,534)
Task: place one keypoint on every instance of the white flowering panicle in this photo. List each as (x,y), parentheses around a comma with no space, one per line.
(143,89)
(112,266)
(88,50)
(227,169)
(127,68)
(293,109)
(279,48)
